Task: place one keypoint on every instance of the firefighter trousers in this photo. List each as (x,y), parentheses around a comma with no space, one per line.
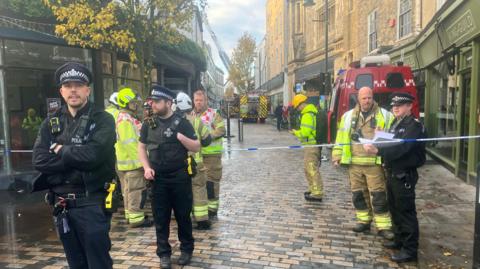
(312,173)
(369,197)
(213,165)
(200,199)
(401,202)
(133,186)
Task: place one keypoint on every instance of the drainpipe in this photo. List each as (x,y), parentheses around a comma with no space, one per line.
(7,161)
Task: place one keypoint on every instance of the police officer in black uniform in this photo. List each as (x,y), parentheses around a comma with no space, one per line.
(401,162)
(167,138)
(75,154)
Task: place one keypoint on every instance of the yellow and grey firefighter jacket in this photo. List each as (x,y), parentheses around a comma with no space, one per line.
(113,110)
(202,133)
(128,131)
(214,122)
(353,121)
(308,125)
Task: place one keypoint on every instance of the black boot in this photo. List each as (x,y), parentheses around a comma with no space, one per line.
(361,227)
(212,215)
(184,258)
(403,256)
(392,245)
(165,262)
(203,225)
(308,196)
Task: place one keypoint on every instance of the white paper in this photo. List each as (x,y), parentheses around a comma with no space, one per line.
(380,136)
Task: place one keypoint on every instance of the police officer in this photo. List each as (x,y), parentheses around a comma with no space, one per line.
(401,162)
(168,138)
(75,154)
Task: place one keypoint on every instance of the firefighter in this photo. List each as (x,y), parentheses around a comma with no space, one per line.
(401,163)
(112,108)
(307,136)
(75,154)
(168,139)
(212,155)
(199,181)
(367,178)
(129,167)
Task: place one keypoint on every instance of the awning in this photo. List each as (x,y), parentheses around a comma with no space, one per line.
(308,72)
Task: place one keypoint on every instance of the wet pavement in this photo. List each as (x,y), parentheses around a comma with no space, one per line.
(263,220)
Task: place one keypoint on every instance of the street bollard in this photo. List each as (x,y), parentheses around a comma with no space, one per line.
(228,120)
(240,130)
(476,242)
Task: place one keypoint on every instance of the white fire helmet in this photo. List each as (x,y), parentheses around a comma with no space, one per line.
(113,98)
(183,102)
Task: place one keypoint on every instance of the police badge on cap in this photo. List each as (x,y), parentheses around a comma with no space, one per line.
(73,72)
(159,92)
(400,98)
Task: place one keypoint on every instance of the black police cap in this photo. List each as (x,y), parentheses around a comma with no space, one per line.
(399,98)
(73,72)
(159,92)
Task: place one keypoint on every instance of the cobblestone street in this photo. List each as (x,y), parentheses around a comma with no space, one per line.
(264,222)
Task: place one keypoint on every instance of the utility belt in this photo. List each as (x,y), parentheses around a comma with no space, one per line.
(72,200)
(408,177)
(64,201)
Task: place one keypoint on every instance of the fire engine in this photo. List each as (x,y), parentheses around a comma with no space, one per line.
(253,107)
(375,72)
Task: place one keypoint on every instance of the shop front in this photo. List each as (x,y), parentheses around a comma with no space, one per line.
(26,81)
(445,59)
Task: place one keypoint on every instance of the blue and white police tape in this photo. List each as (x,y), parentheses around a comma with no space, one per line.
(393,141)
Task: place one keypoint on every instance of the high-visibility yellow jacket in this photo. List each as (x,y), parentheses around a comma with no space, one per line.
(128,131)
(113,110)
(343,149)
(214,122)
(308,125)
(201,131)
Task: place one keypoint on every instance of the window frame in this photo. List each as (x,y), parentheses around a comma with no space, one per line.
(401,15)
(374,33)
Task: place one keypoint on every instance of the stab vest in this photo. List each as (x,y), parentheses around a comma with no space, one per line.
(165,152)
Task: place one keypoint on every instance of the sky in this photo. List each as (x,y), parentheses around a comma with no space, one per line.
(229,19)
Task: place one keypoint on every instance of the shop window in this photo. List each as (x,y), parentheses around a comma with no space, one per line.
(446,123)
(27,92)
(364,80)
(42,56)
(395,81)
(134,84)
(107,67)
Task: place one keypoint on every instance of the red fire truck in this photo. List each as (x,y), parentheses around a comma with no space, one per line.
(375,72)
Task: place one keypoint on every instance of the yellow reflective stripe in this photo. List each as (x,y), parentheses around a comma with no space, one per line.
(307,126)
(213,204)
(364,160)
(363,216)
(383,222)
(200,211)
(136,217)
(128,141)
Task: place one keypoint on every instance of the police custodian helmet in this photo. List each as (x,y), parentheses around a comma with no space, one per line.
(400,98)
(73,72)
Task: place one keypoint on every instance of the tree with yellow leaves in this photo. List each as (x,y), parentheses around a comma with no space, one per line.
(129,26)
(241,70)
